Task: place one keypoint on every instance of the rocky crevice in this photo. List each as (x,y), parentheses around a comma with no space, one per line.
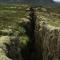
(44,41)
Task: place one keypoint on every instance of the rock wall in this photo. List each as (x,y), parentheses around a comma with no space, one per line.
(47,41)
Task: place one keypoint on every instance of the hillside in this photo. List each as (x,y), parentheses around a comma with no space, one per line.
(48,35)
(32,2)
(15,33)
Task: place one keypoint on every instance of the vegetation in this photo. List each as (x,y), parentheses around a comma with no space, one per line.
(16,28)
(11,25)
(50,15)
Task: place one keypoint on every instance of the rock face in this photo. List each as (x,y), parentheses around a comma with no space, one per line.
(47,41)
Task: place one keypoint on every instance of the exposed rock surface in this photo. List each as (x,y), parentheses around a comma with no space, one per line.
(47,41)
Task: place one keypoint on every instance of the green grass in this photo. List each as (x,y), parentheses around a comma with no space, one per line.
(10,16)
(53,18)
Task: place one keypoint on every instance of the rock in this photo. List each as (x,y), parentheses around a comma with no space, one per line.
(47,41)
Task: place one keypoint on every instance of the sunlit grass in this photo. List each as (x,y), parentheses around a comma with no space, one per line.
(9,16)
(53,18)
